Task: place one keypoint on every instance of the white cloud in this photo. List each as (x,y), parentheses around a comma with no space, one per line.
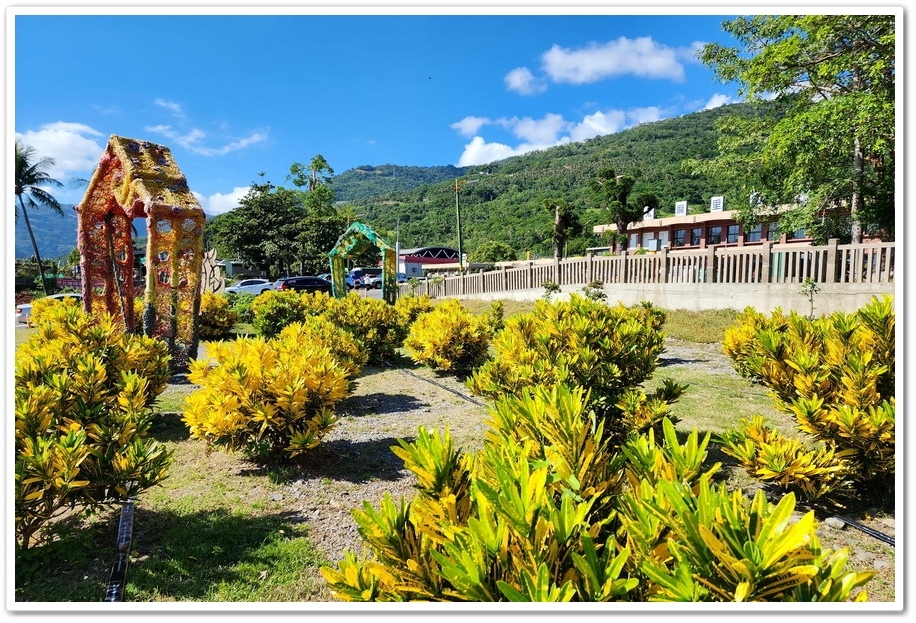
(469,125)
(717,100)
(478,151)
(523,81)
(549,131)
(219,203)
(70,145)
(190,140)
(175,107)
(647,114)
(640,57)
(541,131)
(598,124)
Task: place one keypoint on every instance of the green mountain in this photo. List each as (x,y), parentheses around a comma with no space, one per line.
(501,201)
(367,180)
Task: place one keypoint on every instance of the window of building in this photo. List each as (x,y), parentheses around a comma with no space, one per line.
(733,231)
(798,233)
(773,233)
(714,236)
(680,237)
(634,241)
(753,235)
(696,236)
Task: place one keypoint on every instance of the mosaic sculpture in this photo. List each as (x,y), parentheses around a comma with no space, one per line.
(139,179)
(356,239)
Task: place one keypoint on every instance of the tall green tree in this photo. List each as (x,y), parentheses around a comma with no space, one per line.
(612,192)
(262,230)
(833,146)
(565,223)
(492,251)
(31,175)
(316,180)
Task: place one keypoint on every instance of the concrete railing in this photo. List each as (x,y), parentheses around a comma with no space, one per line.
(753,265)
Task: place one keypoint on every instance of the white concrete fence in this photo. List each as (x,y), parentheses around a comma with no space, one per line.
(762,276)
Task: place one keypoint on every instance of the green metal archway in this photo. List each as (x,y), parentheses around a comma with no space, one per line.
(357,239)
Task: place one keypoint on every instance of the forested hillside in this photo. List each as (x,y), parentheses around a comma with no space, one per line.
(502,201)
(367,180)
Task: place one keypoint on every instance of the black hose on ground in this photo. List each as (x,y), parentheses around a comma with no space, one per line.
(886,538)
(118,577)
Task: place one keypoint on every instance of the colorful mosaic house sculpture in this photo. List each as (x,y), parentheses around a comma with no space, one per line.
(139,179)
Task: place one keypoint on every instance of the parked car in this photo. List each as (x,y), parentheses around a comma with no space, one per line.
(361,275)
(24,311)
(306,283)
(250,286)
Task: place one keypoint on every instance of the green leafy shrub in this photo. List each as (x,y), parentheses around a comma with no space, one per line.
(240,303)
(375,324)
(83,395)
(497,316)
(275,309)
(449,338)
(216,318)
(550,510)
(607,350)
(835,375)
(266,397)
(410,307)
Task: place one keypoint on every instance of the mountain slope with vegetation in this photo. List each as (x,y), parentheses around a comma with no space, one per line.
(367,181)
(503,201)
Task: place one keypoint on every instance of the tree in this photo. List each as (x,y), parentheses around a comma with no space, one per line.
(834,145)
(316,178)
(565,223)
(613,193)
(262,231)
(31,175)
(492,251)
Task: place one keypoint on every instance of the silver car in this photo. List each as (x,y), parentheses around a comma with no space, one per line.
(24,311)
(250,286)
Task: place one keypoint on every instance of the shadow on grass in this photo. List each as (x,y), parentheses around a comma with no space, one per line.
(678,361)
(183,557)
(355,462)
(167,426)
(378,403)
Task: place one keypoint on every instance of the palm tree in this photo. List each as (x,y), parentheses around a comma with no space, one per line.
(30,176)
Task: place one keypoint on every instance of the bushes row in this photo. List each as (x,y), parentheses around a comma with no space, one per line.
(551,509)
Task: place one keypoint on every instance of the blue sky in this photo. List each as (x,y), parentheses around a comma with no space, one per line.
(236,95)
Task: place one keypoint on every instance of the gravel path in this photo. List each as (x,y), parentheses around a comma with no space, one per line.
(355,461)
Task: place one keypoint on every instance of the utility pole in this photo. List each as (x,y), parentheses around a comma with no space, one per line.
(458,217)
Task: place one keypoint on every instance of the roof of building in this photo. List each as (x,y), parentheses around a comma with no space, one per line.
(431,252)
